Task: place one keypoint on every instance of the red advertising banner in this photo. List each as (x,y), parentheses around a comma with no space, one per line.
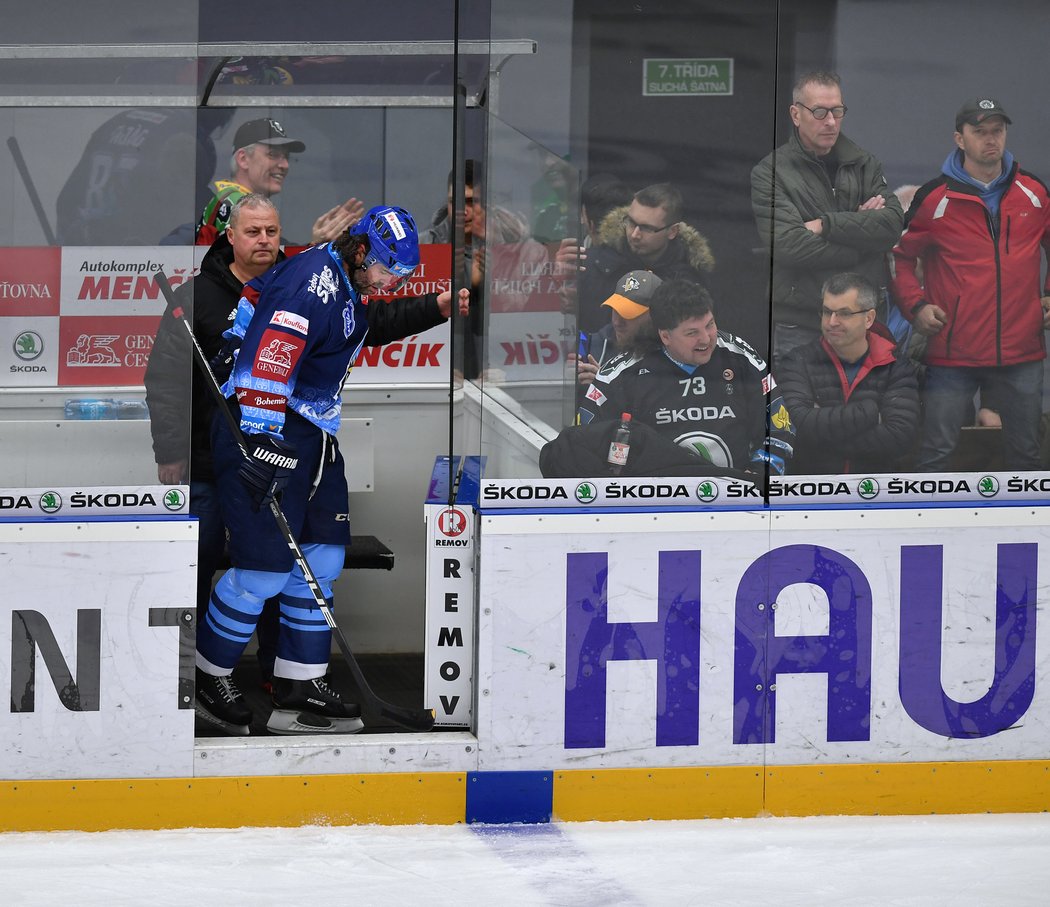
(104,349)
(30,282)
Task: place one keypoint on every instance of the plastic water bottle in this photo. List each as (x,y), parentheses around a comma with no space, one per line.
(132,409)
(91,408)
(620,446)
(108,408)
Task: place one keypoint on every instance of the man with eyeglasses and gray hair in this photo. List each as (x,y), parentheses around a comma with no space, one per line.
(854,400)
(822,206)
(646,235)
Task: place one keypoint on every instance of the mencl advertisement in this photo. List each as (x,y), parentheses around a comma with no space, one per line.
(83,316)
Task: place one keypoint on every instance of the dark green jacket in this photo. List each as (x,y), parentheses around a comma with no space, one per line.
(789,187)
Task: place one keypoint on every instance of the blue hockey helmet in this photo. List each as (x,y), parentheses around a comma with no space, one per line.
(393,241)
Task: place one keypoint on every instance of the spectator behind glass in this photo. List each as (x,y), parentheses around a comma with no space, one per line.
(980,229)
(821,205)
(647,235)
(132,184)
(629,335)
(854,400)
(551,197)
(599,195)
(260,163)
(703,389)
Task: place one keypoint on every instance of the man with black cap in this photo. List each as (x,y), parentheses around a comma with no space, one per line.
(978,228)
(630,333)
(260,164)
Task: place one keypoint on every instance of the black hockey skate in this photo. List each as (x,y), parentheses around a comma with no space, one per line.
(311,707)
(218,704)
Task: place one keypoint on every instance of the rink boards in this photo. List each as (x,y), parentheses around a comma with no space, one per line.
(627,664)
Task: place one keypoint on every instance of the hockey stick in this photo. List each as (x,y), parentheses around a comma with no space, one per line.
(27,181)
(415,719)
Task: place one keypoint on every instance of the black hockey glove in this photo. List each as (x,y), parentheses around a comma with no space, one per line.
(270,464)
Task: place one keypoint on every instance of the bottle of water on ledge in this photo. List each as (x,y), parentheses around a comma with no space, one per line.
(91,408)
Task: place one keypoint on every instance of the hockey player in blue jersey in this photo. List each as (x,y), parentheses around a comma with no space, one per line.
(298,330)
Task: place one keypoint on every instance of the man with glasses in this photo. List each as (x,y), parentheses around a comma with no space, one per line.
(979,230)
(647,235)
(822,206)
(854,401)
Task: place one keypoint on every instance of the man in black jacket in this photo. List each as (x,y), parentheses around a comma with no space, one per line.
(180,404)
(703,389)
(854,402)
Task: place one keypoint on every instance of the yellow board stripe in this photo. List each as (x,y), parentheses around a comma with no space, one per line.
(435,798)
(438,798)
(909,788)
(802,790)
(657,793)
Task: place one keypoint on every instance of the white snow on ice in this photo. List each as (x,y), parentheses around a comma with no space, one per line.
(984,861)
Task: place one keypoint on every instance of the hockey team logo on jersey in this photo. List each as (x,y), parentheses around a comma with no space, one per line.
(708,446)
(324,285)
(781,419)
(595,395)
(728,375)
(292,321)
(276,356)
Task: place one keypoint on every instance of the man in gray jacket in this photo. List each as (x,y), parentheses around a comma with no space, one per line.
(822,206)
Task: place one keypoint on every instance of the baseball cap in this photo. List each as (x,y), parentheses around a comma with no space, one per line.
(265,132)
(978,110)
(634,292)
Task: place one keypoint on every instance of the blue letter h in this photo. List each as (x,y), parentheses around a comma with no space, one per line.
(673,640)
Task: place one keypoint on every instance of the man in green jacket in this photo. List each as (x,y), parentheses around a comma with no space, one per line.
(822,206)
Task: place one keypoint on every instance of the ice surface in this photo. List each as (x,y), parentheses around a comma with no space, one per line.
(887,861)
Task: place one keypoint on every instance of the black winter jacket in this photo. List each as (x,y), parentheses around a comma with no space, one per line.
(864,428)
(688,257)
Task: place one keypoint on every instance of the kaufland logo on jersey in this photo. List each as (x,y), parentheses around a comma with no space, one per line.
(291,321)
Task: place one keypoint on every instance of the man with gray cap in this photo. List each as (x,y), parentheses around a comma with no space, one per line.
(260,164)
(630,333)
(979,229)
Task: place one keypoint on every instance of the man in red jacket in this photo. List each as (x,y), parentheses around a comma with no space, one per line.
(978,230)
